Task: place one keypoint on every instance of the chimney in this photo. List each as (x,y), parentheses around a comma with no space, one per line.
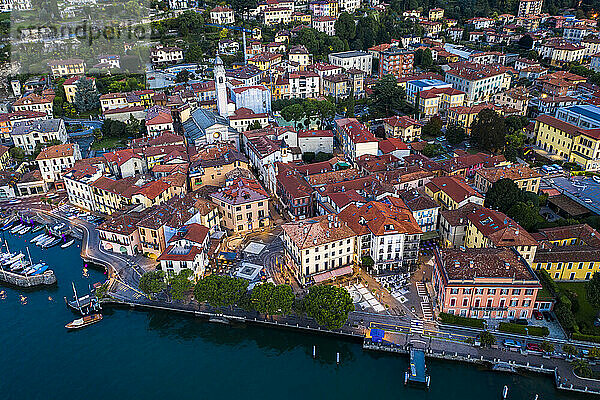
(471,263)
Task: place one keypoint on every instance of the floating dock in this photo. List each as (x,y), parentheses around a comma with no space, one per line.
(417,373)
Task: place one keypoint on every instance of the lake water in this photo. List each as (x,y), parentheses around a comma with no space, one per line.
(154,355)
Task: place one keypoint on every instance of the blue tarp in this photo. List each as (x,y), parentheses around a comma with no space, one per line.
(377,335)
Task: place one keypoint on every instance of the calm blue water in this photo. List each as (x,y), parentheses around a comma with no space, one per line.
(151,355)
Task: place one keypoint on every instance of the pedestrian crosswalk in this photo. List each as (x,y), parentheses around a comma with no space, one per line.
(421,289)
(416,326)
(427,310)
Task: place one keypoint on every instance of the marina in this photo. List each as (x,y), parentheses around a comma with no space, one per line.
(208,349)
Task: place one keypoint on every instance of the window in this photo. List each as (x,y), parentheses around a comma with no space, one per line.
(453,291)
(529,292)
(452,302)
(465,302)
(516,291)
(491,291)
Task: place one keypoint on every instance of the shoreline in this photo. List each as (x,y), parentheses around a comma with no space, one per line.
(347,332)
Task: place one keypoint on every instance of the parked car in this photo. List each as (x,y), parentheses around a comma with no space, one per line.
(534,347)
(548,316)
(537,315)
(514,344)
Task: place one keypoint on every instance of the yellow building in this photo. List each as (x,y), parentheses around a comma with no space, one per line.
(525,177)
(435,14)
(211,166)
(437,100)
(569,253)
(4,157)
(464,116)
(555,136)
(403,127)
(243,205)
(490,228)
(73,66)
(452,192)
(70,87)
(265,61)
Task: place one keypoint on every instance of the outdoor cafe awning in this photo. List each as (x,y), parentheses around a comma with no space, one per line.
(334,273)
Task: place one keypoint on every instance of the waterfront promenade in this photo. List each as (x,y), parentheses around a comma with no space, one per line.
(438,341)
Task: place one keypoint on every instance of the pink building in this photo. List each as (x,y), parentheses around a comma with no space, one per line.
(484,283)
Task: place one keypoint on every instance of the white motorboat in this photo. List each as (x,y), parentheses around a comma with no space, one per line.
(14,258)
(38,237)
(25,230)
(65,245)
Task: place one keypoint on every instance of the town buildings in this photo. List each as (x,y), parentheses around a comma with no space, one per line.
(243,205)
(484,283)
(319,249)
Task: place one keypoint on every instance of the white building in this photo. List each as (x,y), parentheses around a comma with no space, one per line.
(257,98)
(528,8)
(354,59)
(319,249)
(479,82)
(28,134)
(324,24)
(315,141)
(356,140)
(78,182)
(187,250)
(53,161)
(222,15)
(166,55)
(304,84)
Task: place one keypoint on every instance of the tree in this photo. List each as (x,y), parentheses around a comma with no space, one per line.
(345,28)
(487,339)
(455,134)
(502,195)
(152,282)
(433,127)
(255,125)
(367,262)
(183,76)
(387,95)
(547,347)
(181,284)
(220,291)
(582,368)
(293,113)
(328,305)
(86,96)
(267,298)
(592,290)
(322,156)
(488,131)
(526,42)
(432,150)
(570,350)
(565,315)
(17,154)
(526,214)
(308,157)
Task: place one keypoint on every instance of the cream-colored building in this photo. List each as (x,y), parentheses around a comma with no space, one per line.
(53,161)
(243,205)
(524,177)
(73,66)
(319,249)
(403,127)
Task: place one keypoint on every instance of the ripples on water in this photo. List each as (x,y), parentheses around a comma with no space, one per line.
(156,355)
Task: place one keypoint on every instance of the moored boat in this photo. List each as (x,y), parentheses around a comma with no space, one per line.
(37,228)
(87,320)
(40,270)
(67,244)
(52,243)
(24,230)
(38,237)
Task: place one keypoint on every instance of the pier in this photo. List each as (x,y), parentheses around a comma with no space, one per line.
(417,373)
(47,278)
